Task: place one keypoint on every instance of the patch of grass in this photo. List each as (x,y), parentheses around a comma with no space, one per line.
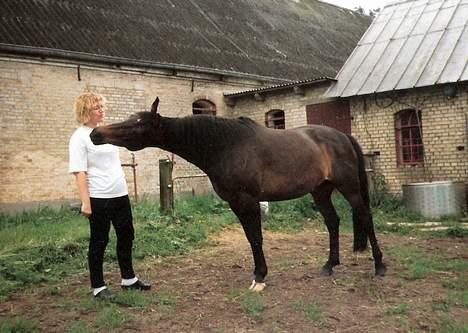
(165,301)
(449,326)
(18,325)
(136,299)
(417,265)
(440,305)
(252,303)
(456,231)
(312,310)
(290,215)
(459,298)
(78,327)
(47,245)
(401,309)
(112,318)
(132,298)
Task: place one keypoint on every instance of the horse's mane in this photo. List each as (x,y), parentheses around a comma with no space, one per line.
(211,130)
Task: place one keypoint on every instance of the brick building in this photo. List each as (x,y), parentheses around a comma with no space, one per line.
(407,85)
(189,53)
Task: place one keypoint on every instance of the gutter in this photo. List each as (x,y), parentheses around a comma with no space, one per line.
(44,53)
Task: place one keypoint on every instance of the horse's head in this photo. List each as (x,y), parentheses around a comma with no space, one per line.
(137,132)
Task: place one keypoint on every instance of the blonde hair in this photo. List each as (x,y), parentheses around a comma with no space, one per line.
(84,104)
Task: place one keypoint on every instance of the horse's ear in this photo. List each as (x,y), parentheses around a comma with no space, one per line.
(154,107)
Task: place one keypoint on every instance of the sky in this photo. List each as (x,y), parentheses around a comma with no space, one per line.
(366,4)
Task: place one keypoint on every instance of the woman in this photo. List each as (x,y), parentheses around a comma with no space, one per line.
(104,196)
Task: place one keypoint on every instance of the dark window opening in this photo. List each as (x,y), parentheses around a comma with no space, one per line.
(408,132)
(275,119)
(204,106)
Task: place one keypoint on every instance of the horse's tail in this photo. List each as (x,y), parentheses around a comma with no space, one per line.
(360,230)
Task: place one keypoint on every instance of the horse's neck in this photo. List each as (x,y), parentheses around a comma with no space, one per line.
(182,138)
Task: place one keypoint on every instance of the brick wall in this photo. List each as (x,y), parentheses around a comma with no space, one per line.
(36,122)
(36,117)
(444,128)
(293,105)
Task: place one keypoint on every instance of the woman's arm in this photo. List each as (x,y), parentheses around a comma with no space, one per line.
(82,183)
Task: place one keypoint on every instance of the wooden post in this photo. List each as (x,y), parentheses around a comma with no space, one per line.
(166,193)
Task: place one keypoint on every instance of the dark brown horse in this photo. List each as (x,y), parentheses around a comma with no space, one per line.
(248,163)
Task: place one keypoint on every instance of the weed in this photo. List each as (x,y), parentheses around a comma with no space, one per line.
(132,298)
(252,303)
(78,327)
(312,310)
(456,231)
(449,326)
(417,264)
(400,309)
(19,325)
(112,318)
(441,305)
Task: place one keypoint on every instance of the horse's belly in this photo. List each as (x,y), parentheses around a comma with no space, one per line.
(276,189)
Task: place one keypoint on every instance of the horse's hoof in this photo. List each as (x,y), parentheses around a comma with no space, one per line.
(380,271)
(326,271)
(257,286)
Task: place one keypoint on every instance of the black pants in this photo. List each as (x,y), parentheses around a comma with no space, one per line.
(105,211)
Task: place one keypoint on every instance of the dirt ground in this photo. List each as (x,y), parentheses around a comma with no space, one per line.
(209,291)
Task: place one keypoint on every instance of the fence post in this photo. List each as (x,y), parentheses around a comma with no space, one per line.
(166,193)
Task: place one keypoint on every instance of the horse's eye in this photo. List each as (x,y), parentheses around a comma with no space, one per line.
(138,120)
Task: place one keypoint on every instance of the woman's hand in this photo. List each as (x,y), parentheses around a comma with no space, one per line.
(82,183)
(85,210)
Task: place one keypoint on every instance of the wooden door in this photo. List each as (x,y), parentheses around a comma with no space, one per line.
(334,114)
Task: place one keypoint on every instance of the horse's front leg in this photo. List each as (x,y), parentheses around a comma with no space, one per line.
(248,211)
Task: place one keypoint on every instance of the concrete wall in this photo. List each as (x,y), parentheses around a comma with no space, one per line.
(36,116)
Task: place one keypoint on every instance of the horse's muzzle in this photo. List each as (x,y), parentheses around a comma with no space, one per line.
(96,137)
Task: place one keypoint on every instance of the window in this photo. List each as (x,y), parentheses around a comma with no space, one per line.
(275,119)
(408,132)
(203,106)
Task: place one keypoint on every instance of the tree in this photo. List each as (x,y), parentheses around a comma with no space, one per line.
(374,12)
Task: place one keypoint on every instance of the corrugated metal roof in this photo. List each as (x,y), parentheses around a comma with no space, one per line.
(280,86)
(413,43)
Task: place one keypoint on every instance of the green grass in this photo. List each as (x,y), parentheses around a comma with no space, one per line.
(419,264)
(78,327)
(449,326)
(112,318)
(47,245)
(312,310)
(252,303)
(18,325)
(401,309)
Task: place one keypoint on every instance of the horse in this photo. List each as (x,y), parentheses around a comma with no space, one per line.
(248,163)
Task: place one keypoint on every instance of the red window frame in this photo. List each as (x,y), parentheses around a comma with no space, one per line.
(275,119)
(408,135)
(203,106)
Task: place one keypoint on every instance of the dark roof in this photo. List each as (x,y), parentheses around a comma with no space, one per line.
(287,39)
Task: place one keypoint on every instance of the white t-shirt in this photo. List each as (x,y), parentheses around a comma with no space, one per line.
(101,163)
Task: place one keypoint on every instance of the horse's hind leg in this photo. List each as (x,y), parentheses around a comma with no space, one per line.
(248,212)
(322,198)
(363,228)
